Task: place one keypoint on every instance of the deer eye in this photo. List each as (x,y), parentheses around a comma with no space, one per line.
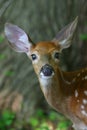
(56,55)
(33,56)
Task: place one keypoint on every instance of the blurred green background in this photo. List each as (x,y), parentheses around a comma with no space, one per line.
(19,87)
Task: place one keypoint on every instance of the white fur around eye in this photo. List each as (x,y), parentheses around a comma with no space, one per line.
(37,59)
(53,56)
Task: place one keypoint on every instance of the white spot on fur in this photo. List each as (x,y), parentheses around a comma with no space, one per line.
(74,79)
(84,112)
(85,77)
(84,101)
(82,107)
(68,82)
(85,92)
(80,126)
(76,93)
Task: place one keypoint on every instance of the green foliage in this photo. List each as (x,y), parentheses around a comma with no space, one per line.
(9,73)
(40,113)
(63,125)
(41,121)
(2,56)
(6,119)
(1,39)
(83,37)
(34,121)
(43,126)
(53,116)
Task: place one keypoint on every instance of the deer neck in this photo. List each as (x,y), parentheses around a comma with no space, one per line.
(54,88)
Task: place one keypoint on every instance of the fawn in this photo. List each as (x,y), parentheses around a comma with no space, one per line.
(66,92)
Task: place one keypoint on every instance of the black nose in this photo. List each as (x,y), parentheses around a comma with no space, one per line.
(47,70)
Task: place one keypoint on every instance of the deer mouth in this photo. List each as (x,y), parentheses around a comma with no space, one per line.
(47,71)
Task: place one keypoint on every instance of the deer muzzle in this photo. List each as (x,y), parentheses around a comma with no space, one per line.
(47,71)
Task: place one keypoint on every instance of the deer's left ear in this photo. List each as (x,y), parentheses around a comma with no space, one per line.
(18,39)
(64,37)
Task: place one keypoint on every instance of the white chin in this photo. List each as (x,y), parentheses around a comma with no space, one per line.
(45,77)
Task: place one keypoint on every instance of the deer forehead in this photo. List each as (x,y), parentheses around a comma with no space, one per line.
(45,47)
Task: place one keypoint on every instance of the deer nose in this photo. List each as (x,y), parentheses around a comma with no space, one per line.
(47,70)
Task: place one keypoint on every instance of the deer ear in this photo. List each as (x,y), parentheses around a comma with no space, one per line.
(64,37)
(18,39)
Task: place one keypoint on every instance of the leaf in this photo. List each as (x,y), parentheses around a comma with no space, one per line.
(1,39)
(2,56)
(52,116)
(34,122)
(40,113)
(9,73)
(8,122)
(1,124)
(8,115)
(63,125)
(44,126)
(83,37)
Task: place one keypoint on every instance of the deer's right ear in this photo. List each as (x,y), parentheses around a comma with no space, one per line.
(18,39)
(64,37)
